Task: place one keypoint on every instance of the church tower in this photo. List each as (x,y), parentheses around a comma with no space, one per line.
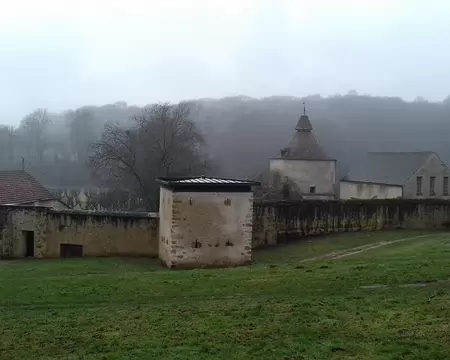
(305,164)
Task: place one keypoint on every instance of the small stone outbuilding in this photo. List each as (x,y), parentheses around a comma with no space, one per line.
(205,222)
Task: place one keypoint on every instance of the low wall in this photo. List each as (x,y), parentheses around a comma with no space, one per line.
(99,234)
(366,191)
(279,222)
(107,234)
(103,234)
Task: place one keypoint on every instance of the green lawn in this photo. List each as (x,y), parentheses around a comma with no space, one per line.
(280,308)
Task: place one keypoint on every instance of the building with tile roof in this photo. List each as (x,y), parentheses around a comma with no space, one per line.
(18,187)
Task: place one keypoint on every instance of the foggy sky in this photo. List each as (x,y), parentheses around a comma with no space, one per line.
(65,54)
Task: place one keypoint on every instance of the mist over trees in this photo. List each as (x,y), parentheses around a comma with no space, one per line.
(161,141)
(233,137)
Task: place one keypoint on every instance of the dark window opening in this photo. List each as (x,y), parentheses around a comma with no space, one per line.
(71,250)
(445,185)
(29,243)
(312,189)
(284,152)
(432,185)
(419,185)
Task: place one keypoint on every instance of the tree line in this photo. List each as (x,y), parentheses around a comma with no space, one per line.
(125,148)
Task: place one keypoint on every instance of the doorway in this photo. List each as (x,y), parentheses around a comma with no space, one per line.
(29,243)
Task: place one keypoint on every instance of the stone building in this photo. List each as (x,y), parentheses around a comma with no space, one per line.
(305,165)
(17,187)
(385,175)
(205,222)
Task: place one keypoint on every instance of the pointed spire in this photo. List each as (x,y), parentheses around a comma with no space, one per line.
(303,123)
(304,145)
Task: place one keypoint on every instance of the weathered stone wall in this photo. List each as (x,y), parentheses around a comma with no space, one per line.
(100,234)
(165,224)
(103,234)
(278,222)
(14,220)
(209,229)
(307,173)
(55,204)
(366,191)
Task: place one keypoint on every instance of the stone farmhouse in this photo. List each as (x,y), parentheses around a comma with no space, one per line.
(387,175)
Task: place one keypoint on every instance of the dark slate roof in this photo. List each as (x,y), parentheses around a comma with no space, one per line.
(205,182)
(304,145)
(19,187)
(304,124)
(388,167)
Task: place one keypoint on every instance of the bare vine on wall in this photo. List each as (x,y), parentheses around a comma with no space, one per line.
(97,200)
(275,187)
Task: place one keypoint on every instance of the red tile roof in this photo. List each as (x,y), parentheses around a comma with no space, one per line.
(19,187)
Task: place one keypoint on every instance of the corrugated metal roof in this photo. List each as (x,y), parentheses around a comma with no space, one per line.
(209,180)
(206,181)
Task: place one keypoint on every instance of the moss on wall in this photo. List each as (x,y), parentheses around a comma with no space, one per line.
(100,234)
(103,234)
(276,222)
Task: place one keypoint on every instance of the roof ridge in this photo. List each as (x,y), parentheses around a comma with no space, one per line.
(388,167)
(401,152)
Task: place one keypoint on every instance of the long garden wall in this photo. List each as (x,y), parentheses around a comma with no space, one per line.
(279,222)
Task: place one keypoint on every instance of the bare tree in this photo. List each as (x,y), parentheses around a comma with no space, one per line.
(162,141)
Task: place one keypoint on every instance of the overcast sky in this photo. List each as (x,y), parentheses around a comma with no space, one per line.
(63,54)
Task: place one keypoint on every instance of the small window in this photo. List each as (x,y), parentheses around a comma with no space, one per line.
(70,250)
(312,189)
(419,185)
(445,190)
(432,185)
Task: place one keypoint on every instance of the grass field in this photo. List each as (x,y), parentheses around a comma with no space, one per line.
(389,302)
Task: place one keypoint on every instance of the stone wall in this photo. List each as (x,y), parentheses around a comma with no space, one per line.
(165,224)
(103,234)
(366,191)
(279,222)
(207,229)
(14,221)
(99,234)
(320,174)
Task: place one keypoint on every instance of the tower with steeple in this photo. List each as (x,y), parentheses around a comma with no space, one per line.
(305,164)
